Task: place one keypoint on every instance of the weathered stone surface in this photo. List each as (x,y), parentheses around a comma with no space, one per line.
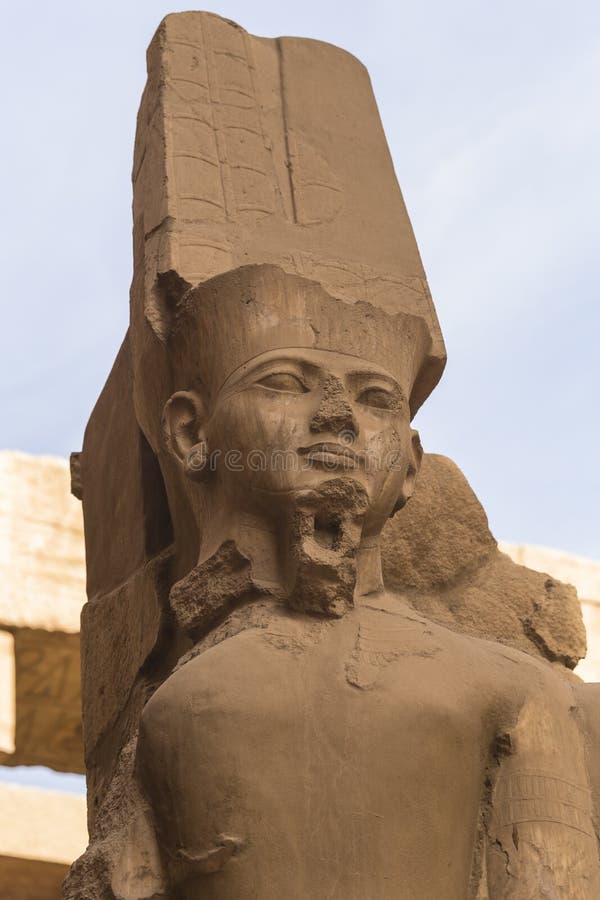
(441,535)
(127,624)
(42,564)
(42,567)
(7,693)
(48,700)
(120,483)
(584,575)
(41,708)
(41,833)
(237,162)
(40,824)
(31,879)
(440,552)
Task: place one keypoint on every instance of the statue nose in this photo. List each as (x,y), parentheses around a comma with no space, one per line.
(334,414)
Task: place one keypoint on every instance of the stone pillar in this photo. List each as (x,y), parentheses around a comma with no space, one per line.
(42,570)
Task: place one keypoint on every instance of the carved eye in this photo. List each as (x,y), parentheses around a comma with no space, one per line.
(379,398)
(283,381)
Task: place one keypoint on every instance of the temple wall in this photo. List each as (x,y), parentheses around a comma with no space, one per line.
(42,572)
(41,833)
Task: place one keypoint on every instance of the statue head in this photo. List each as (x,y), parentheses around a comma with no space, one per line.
(279,309)
(290,402)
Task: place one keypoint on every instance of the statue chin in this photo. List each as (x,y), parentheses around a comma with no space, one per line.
(319,538)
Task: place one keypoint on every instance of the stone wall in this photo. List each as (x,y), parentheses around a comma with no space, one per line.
(41,833)
(42,572)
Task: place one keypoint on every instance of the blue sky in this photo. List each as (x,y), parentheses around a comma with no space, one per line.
(491,112)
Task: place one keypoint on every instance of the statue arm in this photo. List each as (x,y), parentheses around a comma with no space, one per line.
(588,705)
(540,836)
(137,872)
(124,865)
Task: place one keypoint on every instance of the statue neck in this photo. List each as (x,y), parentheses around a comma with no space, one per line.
(369,575)
(269,545)
(312,554)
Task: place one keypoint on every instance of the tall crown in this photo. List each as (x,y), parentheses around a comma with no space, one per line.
(252,150)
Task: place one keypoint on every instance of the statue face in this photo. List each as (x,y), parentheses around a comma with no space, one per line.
(290,420)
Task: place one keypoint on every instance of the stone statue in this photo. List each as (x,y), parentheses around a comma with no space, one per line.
(263,717)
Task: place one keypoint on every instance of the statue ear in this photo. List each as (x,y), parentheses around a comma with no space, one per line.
(415,457)
(416,454)
(184,418)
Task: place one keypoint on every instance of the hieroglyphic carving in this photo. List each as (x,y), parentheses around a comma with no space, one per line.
(244,179)
(48,700)
(379,644)
(536,796)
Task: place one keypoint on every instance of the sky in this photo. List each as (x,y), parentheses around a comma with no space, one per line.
(492,115)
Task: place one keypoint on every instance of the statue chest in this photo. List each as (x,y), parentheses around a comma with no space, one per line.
(347,763)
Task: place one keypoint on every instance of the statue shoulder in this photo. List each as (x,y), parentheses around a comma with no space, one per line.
(255,669)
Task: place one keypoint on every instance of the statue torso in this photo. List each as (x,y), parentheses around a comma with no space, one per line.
(347,759)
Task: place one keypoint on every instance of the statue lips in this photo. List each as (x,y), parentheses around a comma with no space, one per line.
(332,455)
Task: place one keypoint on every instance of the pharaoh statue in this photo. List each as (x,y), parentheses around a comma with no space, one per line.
(299,683)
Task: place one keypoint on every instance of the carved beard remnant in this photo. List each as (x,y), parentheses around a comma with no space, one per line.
(321,542)
(325,537)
